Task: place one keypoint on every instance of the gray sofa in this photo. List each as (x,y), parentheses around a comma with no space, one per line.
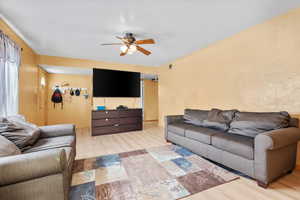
(44,170)
(260,145)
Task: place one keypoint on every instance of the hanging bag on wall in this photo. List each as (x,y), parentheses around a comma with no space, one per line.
(57,97)
(77,92)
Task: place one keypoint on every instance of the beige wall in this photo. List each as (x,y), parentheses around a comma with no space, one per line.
(76,109)
(73,62)
(255,70)
(150,100)
(28,75)
(42,96)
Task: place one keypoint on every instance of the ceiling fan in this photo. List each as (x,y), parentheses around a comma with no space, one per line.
(131,45)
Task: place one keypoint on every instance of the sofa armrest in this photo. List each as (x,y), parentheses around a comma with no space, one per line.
(57,130)
(169,119)
(275,154)
(29,166)
(277,138)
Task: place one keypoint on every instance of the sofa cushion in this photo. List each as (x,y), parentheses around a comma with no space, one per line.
(7,148)
(51,143)
(219,119)
(236,144)
(201,134)
(178,128)
(251,123)
(195,117)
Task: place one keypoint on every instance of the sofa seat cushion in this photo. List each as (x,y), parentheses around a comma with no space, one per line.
(52,143)
(236,144)
(201,134)
(178,128)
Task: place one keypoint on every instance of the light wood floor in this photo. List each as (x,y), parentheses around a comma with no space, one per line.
(287,187)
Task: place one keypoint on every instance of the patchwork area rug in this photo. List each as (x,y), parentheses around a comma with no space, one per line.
(158,173)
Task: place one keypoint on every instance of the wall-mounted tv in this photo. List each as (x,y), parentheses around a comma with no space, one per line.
(113,83)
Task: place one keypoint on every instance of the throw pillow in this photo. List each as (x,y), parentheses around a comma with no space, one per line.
(219,119)
(251,123)
(5,126)
(7,148)
(25,136)
(195,117)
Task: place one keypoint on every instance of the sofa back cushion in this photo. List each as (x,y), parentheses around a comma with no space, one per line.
(195,117)
(219,119)
(251,123)
(7,148)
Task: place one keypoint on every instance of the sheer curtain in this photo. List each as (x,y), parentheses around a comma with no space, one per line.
(9,76)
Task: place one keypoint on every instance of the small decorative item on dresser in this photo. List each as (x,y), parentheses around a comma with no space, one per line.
(101,107)
(122,107)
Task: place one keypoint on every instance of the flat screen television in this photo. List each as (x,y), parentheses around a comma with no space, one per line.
(113,83)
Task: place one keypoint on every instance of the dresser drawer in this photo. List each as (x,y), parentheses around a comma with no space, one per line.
(105,114)
(131,113)
(105,130)
(130,127)
(105,122)
(131,120)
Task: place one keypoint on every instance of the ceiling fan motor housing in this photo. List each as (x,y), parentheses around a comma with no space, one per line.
(130,38)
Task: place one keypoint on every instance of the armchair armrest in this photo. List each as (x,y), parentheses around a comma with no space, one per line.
(277,138)
(29,166)
(57,130)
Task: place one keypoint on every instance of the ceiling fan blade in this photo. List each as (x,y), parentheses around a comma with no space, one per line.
(147,41)
(111,44)
(144,51)
(123,39)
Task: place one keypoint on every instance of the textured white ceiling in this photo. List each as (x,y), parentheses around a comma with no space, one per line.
(75,28)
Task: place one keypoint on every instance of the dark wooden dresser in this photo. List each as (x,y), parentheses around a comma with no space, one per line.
(116,121)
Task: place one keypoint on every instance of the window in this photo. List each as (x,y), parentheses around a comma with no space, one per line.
(9,76)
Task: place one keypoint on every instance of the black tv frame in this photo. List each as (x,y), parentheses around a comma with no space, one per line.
(115,80)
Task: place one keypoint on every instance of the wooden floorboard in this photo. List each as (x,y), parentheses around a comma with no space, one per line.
(286,188)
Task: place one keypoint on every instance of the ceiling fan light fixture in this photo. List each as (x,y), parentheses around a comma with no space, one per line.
(130,45)
(123,48)
(132,49)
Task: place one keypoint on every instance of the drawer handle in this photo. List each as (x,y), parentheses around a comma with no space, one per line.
(116,125)
(106,119)
(106,112)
